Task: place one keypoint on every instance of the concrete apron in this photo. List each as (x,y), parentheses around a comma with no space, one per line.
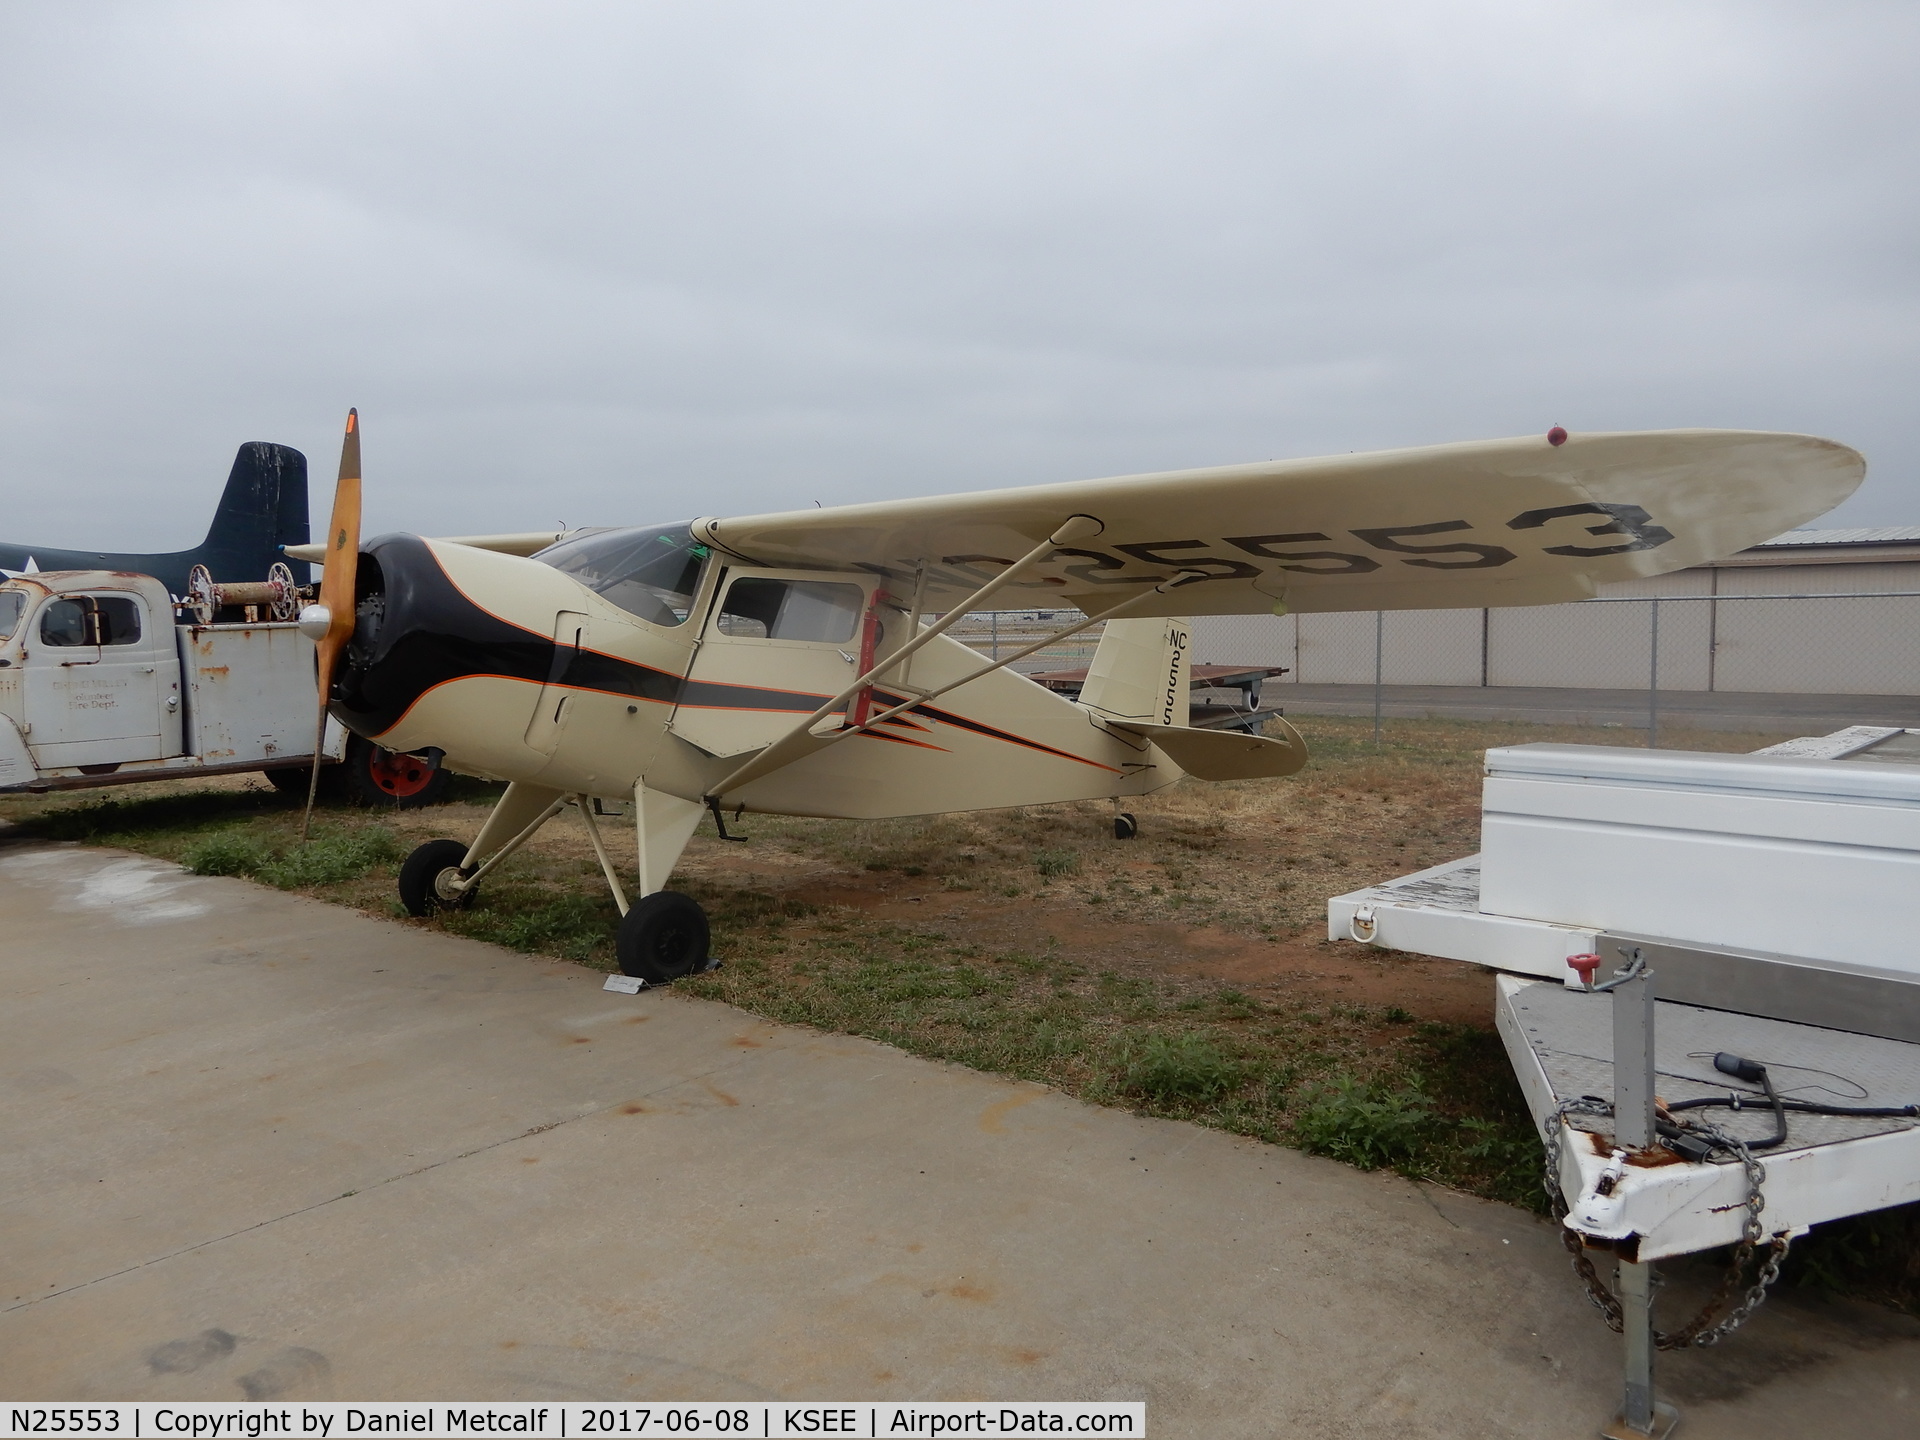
(261,1146)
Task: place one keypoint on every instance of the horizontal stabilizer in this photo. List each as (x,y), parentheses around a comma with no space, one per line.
(1226,754)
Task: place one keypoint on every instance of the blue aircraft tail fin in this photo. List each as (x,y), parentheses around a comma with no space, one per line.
(263,507)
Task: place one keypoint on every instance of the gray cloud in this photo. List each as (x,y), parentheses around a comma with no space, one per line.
(621,262)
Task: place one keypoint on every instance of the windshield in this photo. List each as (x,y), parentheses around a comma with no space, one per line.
(12,604)
(651,573)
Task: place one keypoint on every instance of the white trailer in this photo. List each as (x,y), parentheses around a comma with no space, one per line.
(100,686)
(1768,901)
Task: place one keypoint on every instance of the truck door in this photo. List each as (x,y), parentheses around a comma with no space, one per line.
(93,683)
(776,645)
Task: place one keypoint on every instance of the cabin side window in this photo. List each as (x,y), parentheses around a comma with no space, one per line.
(820,611)
(12,606)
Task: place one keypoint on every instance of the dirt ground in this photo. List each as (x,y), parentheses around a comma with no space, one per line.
(1225,885)
(1303,969)
(1183,973)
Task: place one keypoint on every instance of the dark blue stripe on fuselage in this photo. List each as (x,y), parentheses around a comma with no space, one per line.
(432,633)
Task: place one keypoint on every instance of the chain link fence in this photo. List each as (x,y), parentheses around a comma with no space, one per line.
(1812,641)
(998,633)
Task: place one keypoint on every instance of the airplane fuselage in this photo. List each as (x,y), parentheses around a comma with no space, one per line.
(517,670)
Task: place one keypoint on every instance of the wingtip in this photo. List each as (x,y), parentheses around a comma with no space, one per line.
(350,448)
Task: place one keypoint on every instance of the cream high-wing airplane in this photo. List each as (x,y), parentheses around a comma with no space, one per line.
(791,663)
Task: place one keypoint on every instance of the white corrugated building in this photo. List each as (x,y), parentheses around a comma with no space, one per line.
(1865,645)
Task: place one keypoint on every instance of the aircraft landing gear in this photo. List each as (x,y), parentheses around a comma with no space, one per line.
(431,878)
(663,937)
(1125,827)
(437,877)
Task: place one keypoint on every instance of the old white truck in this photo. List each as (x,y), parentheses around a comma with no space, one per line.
(99,685)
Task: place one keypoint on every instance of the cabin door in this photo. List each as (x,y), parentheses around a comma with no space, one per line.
(776,646)
(549,717)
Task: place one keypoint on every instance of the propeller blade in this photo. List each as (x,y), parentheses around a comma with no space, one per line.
(336,592)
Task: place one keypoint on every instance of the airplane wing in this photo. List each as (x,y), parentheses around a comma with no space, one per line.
(522,543)
(1496,522)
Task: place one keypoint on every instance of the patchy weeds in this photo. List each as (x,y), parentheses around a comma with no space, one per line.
(1179,974)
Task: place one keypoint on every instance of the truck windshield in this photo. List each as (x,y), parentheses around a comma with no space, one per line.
(12,603)
(651,573)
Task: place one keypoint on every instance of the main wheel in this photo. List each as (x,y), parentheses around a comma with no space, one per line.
(425,877)
(663,937)
(1125,827)
(370,775)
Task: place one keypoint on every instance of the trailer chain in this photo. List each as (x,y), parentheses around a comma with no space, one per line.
(1709,1327)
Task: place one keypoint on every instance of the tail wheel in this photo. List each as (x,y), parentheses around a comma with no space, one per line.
(429,876)
(663,937)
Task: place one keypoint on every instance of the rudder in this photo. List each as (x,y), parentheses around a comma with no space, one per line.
(1142,671)
(263,507)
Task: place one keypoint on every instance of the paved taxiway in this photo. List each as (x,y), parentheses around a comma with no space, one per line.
(1540,705)
(257,1145)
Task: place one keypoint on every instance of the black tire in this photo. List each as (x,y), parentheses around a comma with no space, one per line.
(1125,827)
(292,780)
(663,937)
(385,779)
(420,878)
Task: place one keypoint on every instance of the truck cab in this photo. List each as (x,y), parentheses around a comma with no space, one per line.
(89,672)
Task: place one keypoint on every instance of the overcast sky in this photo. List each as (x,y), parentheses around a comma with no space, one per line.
(622,263)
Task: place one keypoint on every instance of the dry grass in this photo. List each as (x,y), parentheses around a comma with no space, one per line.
(1180,974)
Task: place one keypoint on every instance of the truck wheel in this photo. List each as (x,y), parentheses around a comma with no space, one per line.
(663,937)
(370,775)
(293,780)
(424,876)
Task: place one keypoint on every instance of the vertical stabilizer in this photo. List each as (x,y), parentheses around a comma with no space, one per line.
(1142,672)
(263,507)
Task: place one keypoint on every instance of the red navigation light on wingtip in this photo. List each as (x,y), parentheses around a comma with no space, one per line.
(1557,436)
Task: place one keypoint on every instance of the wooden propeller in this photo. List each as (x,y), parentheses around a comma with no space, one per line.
(329,621)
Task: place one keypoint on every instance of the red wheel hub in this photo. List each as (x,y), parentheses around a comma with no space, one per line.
(399,775)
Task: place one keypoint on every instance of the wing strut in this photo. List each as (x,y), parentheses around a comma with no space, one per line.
(913,620)
(800,742)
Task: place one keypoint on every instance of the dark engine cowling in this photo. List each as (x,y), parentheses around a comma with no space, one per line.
(413,630)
